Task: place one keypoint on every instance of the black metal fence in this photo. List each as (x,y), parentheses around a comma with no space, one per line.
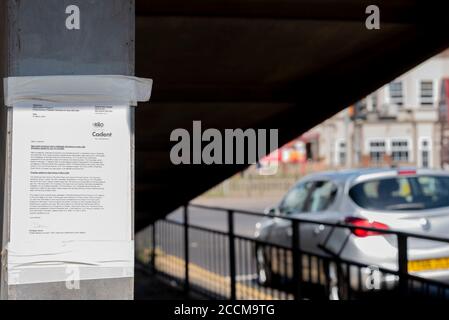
(221,263)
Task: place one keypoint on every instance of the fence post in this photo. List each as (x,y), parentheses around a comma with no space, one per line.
(297,260)
(232,272)
(402,264)
(153,244)
(186,249)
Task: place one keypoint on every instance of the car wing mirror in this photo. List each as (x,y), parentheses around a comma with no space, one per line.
(272,211)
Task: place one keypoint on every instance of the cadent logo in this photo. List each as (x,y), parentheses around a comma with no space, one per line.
(102,134)
(98,125)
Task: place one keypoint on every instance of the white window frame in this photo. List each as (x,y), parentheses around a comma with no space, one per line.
(429,149)
(374,97)
(409,148)
(369,150)
(434,93)
(337,152)
(390,98)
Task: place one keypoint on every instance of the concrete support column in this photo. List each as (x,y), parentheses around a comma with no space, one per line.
(61,37)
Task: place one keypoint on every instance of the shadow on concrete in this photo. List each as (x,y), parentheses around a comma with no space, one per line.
(150,286)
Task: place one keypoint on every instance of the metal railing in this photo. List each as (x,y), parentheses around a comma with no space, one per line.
(223,264)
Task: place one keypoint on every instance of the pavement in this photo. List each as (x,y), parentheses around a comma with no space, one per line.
(147,286)
(150,286)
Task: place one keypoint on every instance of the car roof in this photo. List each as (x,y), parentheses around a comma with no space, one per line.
(353,174)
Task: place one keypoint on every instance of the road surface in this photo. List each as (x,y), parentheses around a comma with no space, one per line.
(217,220)
(208,251)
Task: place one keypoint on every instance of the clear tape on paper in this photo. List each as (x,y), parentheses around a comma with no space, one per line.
(70,261)
(28,260)
(78,89)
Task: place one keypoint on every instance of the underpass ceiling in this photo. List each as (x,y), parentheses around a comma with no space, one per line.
(260,64)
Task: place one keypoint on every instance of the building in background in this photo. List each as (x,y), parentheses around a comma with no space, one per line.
(444,123)
(405,122)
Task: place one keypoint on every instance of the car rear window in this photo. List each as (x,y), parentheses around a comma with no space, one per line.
(402,193)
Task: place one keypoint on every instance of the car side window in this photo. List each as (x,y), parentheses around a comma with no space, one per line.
(296,198)
(322,196)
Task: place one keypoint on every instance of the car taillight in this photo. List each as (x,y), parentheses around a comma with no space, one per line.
(359,222)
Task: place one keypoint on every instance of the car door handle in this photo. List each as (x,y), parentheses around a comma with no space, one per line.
(289,232)
(319,229)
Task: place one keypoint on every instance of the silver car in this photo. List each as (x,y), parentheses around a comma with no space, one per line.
(410,200)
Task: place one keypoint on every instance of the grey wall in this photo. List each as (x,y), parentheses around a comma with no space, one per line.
(40,44)
(3,111)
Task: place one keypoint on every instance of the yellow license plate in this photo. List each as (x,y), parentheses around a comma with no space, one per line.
(430,264)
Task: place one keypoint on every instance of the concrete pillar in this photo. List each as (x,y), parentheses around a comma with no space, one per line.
(39,37)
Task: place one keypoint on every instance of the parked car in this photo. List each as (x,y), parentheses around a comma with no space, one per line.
(409,200)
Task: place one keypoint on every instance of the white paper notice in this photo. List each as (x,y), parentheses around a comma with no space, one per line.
(71,184)
(71,173)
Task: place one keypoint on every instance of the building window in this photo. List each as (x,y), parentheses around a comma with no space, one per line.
(312,151)
(377,150)
(374,101)
(400,150)
(341,153)
(396,93)
(425,159)
(427,98)
(425,153)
